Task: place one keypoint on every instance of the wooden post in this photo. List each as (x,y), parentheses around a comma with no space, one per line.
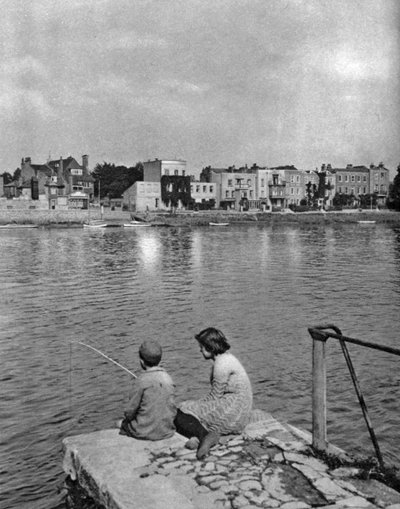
(319,440)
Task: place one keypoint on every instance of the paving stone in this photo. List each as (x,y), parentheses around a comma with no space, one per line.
(297,504)
(250,485)
(229,488)
(354,502)
(208,479)
(314,463)
(218,484)
(331,491)
(209,467)
(309,472)
(185,454)
(239,502)
(278,458)
(236,448)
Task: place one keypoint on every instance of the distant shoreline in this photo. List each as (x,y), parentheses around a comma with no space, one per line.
(76,218)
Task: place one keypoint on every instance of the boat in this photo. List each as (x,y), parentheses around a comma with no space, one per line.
(366,222)
(12,225)
(95,224)
(135,224)
(218,224)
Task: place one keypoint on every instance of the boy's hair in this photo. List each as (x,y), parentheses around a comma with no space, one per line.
(213,340)
(150,352)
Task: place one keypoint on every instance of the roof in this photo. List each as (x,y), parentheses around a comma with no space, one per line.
(360,169)
(285,167)
(66,162)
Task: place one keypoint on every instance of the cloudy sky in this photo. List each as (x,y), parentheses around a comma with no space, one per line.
(214,82)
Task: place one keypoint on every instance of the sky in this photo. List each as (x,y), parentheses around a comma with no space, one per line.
(213,82)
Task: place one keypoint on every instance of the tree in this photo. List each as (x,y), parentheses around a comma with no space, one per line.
(114,180)
(394,191)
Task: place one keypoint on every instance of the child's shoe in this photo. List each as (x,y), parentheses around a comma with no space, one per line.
(211,439)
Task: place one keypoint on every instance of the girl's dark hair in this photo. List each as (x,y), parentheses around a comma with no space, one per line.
(213,340)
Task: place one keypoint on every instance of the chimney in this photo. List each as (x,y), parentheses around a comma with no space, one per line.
(349,166)
(28,160)
(60,168)
(85,164)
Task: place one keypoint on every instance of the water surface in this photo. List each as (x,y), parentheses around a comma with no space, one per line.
(112,288)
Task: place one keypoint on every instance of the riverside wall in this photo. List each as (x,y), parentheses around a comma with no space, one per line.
(76,217)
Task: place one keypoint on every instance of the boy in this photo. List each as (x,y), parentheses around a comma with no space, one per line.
(151,408)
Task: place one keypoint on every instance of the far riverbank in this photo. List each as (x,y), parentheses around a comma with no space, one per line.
(76,218)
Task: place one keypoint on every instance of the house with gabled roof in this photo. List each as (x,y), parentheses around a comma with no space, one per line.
(63,182)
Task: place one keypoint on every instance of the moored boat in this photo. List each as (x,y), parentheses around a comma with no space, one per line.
(95,224)
(218,224)
(12,225)
(135,224)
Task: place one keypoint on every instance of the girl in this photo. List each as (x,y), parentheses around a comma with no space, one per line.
(226,409)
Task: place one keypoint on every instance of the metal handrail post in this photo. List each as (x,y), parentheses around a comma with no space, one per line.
(319,435)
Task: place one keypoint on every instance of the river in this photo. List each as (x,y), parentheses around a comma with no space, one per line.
(263,286)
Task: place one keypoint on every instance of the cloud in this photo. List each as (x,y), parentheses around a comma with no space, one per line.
(185,87)
(115,40)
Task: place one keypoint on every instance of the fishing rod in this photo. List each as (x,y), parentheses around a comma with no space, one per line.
(105,356)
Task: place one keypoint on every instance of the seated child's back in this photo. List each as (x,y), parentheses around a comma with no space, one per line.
(151,409)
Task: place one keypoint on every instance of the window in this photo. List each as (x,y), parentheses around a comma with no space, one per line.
(204,189)
(166,172)
(382,175)
(358,178)
(376,176)
(227,194)
(298,178)
(249,182)
(233,194)
(197,189)
(229,182)
(364,178)
(365,190)
(346,178)
(262,183)
(353,178)
(291,178)
(183,173)
(339,178)
(291,190)
(250,194)
(298,190)
(211,189)
(340,189)
(345,190)
(176,172)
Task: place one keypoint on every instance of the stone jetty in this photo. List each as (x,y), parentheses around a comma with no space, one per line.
(270,465)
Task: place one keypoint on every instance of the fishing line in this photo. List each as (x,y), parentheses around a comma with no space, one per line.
(105,356)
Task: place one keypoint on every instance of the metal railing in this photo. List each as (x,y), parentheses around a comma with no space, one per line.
(320,335)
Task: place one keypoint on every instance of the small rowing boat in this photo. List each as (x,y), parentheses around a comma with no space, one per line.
(135,224)
(9,226)
(95,224)
(366,222)
(218,224)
